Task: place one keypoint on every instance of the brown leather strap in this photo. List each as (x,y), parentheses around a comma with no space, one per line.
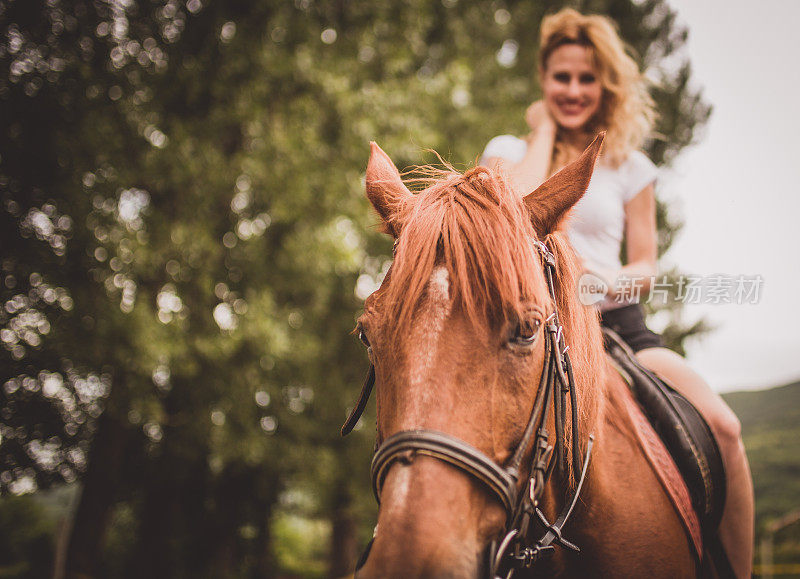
(356,413)
(448,449)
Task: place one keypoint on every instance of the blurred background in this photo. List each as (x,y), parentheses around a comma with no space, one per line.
(185,246)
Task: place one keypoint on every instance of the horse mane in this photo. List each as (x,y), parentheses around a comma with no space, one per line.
(480,229)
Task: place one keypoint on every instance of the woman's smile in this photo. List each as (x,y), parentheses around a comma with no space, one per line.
(572,108)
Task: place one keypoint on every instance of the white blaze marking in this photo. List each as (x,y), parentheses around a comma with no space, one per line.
(430,323)
(439,283)
(402,486)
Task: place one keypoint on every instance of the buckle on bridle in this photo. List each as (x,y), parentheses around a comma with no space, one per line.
(529,555)
(545,253)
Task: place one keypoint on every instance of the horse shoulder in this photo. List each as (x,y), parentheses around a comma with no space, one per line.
(626,522)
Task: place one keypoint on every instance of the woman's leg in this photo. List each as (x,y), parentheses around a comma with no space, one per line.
(737,526)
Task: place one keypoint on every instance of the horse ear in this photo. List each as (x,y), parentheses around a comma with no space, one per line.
(553,198)
(386,191)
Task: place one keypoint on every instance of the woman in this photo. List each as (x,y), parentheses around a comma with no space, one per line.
(589,83)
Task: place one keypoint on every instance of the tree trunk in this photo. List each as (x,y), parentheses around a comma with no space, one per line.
(98,494)
(266,563)
(344,548)
(172,512)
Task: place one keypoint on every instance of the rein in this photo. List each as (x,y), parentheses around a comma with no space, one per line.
(516,550)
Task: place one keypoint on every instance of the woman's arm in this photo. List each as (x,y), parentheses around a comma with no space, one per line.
(640,239)
(641,236)
(533,169)
(641,252)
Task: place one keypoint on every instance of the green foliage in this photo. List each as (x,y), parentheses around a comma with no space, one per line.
(26,539)
(301,545)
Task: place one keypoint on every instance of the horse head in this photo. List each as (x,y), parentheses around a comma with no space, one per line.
(455,334)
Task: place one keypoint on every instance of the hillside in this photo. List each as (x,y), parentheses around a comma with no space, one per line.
(771,431)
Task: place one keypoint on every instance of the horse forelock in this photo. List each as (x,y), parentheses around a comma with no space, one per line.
(475,227)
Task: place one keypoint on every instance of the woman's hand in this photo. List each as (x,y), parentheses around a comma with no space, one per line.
(539,118)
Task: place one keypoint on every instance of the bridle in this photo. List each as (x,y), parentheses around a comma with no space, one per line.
(515,550)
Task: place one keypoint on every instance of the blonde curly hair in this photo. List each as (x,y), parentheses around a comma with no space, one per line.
(627,112)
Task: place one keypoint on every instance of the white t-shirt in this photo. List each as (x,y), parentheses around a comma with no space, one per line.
(597,222)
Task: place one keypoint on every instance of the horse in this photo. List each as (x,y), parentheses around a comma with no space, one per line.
(478,342)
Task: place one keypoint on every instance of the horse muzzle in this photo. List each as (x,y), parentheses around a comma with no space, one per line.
(431,523)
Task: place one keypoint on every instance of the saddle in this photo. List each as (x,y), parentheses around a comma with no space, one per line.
(688,439)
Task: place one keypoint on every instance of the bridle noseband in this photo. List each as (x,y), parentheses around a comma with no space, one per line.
(515,550)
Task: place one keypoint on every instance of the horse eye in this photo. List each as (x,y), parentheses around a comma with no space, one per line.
(363,336)
(526,332)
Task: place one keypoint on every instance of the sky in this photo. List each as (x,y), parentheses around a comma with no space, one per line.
(738,190)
